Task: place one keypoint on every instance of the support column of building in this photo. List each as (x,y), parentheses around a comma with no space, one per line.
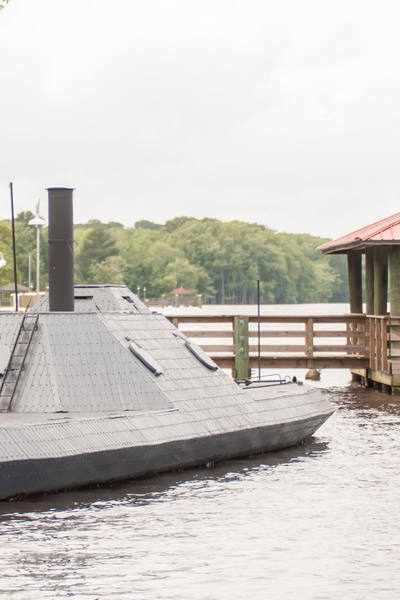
(355,285)
(380,255)
(394,266)
(369,281)
(394,269)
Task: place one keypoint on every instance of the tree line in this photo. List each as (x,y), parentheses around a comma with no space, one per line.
(220,260)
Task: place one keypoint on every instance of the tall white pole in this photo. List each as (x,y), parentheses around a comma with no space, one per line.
(37,262)
(30,271)
(37,222)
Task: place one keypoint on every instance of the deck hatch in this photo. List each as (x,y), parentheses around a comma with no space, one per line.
(145,358)
(201,356)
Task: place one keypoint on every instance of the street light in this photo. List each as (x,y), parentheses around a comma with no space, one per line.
(138,290)
(144,291)
(37,222)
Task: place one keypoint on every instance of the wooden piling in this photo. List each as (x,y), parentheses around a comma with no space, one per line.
(369,281)
(241,338)
(380,254)
(355,284)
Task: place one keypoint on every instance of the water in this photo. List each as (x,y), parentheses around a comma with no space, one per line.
(319,521)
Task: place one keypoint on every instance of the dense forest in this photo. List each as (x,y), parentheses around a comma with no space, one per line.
(220,260)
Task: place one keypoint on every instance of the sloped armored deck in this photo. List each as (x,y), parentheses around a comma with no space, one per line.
(114,391)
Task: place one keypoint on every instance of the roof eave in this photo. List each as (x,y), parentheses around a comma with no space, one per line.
(359,245)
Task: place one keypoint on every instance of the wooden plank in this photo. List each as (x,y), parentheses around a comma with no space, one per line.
(395,364)
(341,333)
(360,372)
(394,352)
(380,377)
(372,342)
(309,337)
(378,339)
(367,339)
(200,333)
(201,319)
(321,362)
(284,348)
(329,348)
(384,345)
(278,333)
(278,348)
(217,348)
(242,363)
(351,318)
(208,333)
(316,362)
(218,333)
(393,337)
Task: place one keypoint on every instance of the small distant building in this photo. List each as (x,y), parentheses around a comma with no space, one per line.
(8,289)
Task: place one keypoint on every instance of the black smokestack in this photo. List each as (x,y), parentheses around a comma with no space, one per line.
(61,250)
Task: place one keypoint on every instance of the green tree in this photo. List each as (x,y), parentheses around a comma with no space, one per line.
(175,223)
(147,225)
(110,270)
(7,271)
(98,245)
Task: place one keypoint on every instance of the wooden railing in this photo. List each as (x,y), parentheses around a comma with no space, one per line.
(317,341)
(384,333)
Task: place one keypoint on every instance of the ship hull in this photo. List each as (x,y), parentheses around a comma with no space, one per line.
(68,452)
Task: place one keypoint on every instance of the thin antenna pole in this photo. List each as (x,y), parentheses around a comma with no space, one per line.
(14,252)
(37,263)
(259,329)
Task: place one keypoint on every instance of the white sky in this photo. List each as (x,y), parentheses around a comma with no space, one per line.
(285,113)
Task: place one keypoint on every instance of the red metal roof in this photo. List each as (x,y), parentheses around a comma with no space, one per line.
(180,290)
(385,230)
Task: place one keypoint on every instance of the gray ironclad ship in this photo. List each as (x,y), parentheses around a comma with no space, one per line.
(97,387)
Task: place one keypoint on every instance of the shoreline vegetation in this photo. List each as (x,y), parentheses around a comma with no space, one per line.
(220,260)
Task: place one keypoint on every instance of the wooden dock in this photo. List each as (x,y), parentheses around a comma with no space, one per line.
(364,344)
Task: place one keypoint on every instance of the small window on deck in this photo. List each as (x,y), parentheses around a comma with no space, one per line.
(201,356)
(145,358)
(130,300)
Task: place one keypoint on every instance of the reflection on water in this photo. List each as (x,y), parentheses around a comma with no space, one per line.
(319,521)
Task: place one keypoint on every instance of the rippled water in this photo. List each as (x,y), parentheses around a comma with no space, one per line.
(319,521)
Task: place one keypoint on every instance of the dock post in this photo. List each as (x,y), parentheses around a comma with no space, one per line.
(241,337)
(369,281)
(355,284)
(380,279)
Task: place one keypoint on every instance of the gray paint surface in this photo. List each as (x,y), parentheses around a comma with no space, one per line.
(85,398)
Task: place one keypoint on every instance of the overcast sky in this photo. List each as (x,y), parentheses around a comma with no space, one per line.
(285,113)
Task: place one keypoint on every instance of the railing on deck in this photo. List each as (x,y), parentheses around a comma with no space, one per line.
(384,332)
(317,341)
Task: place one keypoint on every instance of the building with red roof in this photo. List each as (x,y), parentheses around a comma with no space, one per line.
(380,244)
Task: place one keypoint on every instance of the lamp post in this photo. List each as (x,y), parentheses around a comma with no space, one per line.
(144,291)
(30,269)
(37,222)
(138,290)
